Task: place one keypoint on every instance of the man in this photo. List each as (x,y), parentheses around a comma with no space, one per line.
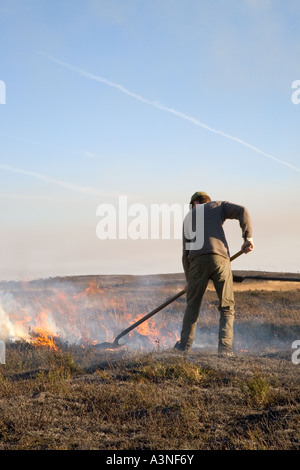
(210,259)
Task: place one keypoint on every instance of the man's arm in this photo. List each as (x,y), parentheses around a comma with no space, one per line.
(248,245)
(234,211)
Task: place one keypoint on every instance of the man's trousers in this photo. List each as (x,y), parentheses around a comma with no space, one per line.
(201,270)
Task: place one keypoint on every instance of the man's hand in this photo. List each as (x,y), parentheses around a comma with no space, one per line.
(248,245)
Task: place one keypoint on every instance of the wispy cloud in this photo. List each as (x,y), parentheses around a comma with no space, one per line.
(27,197)
(88,190)
(167,109)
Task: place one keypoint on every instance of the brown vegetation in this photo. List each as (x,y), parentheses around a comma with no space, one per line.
(82,398)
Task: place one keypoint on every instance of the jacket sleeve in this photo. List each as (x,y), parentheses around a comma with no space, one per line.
(185,255)
(234,211)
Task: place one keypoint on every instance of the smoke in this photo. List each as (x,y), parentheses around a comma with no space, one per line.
(81,312)
(87,310)
(167,109)
(7,330)
(48,306)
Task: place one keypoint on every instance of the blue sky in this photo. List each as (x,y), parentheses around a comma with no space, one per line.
(150,99)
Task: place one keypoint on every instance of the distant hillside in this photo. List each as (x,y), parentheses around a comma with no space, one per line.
(148,279)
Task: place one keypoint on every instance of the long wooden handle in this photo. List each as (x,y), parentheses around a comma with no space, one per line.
(239,253)
(150,314)
(160,307)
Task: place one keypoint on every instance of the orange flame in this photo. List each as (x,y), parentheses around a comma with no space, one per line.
(44,339)
(88,315)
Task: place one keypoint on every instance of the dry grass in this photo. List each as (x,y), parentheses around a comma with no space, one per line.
(77,398)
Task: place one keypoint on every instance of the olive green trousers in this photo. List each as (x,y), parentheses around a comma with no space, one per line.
(201,270)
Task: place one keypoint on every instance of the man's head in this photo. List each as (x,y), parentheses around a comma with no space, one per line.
(200,197)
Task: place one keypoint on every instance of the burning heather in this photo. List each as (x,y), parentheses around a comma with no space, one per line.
(88,312)
(136,398)
(43,338)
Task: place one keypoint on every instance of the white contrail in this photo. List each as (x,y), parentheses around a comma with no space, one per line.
(27,197)
(64,184)
(167,109)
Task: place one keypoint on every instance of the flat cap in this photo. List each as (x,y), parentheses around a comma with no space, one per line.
(198,194)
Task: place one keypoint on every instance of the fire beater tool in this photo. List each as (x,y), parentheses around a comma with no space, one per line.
(115,344)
